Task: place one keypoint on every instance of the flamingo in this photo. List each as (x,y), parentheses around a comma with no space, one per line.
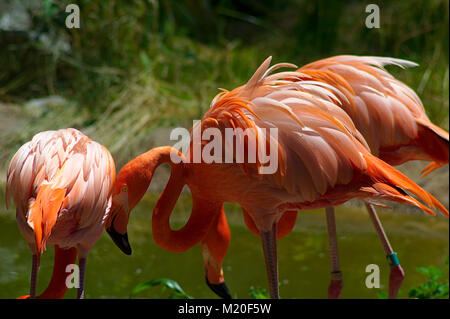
(376,102)
(323,161)
(61,183)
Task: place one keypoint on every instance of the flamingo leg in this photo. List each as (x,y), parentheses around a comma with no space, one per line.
(82,266)
(269,243)
(397,274)
(34,271)
(335,287)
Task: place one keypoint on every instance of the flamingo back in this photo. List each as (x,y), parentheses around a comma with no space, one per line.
(387,112)
(318,144)
(61,182)
(322,158)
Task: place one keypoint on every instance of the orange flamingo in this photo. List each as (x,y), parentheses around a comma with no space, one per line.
(391,118)
(61,183)
(322,161)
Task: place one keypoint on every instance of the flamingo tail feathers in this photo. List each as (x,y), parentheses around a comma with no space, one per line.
(436,141)
(43,213)
(393,185)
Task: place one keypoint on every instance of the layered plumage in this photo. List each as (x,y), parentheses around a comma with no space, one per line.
(387,112)
(61,183)
(322,160)
(319,147)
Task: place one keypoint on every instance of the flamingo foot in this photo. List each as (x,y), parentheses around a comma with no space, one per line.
(395,280)
(335,287)
(24,297)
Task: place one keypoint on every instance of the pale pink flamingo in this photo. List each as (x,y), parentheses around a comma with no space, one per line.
(61,182)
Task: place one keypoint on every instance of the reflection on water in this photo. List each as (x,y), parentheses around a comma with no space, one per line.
(418,239)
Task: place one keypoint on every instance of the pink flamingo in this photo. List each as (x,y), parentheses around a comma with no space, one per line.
(61,183)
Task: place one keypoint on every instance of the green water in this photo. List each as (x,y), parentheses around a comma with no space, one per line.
(419,240)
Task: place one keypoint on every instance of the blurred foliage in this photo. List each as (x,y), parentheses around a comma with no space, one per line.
(134,66)
(436,285)
(258,293)
(176,292)
(169,285)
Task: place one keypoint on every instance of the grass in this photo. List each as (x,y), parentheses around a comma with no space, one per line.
(134,67)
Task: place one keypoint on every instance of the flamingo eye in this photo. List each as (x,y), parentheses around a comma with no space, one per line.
(124,188)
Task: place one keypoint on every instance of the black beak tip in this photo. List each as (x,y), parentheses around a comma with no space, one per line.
(220,290)
(121,240)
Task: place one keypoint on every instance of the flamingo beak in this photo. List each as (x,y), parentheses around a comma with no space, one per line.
(220,290)
(121,240)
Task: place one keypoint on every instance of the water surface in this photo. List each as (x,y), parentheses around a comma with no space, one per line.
(419,239)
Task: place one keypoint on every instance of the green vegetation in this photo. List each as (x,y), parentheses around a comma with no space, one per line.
(174,289)
(176,292)
(436,286)
(134,66)
(258,293)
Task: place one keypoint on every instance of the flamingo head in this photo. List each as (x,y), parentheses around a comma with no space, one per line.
(129,188)
(214,275)
(117,223)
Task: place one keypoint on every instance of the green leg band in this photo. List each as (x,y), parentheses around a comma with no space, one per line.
(393,260)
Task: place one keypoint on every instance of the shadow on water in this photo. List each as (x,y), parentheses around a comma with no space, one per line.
(303,255)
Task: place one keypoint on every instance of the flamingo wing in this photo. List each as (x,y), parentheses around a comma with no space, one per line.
(316,138)
(319,147)
(377,102)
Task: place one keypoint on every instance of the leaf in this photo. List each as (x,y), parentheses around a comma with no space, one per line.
(422,270)
(382,294)
(166,283)
(50,8)
(258,293)
(435,287)
(145,60)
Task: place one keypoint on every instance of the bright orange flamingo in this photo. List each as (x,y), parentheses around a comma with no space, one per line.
(391,118)
(61,183)
(322,161)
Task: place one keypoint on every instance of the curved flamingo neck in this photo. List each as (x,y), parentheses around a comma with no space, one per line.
(57,287)
(196,228)
(138,174)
